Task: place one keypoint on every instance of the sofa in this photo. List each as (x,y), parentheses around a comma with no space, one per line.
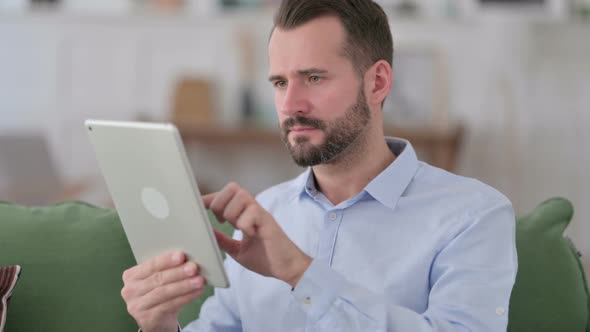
(73,254)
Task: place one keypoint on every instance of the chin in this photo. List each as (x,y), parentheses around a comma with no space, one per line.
(297,139)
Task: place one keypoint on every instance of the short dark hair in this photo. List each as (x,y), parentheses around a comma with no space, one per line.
(367,28)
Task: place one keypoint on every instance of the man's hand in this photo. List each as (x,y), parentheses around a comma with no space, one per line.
(264,248)
(157,289)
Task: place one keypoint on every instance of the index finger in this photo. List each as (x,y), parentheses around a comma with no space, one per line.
(159,263)
(207,199)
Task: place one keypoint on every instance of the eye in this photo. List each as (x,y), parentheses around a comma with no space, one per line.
(280,84)
(315,79)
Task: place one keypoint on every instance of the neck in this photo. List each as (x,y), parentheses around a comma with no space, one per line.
(359,164)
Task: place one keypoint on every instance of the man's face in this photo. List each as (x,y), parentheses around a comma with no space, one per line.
(318,95)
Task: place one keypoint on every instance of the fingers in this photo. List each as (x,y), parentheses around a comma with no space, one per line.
(223,198)
(155,290)
(176,304)
(227,244)
(170,292)
(229,203)
(237,205)
(159,279)
(160,263)
(161,307)
(207,199)
(247,222)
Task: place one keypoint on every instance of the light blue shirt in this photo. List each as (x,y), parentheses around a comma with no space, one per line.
(419,249)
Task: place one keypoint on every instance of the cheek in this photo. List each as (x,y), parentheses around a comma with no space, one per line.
(278,101)
(333,102)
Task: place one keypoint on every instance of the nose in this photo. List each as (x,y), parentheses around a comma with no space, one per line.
(293,101)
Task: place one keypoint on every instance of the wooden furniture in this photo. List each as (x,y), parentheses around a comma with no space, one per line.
(437,146)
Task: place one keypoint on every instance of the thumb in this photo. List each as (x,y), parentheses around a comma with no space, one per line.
(227,244)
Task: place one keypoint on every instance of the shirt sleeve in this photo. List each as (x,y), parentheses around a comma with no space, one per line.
(178,329)
(471,281)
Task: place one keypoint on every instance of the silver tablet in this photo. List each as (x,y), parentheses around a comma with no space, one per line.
(155,193)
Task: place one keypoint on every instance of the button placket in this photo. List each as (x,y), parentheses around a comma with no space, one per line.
(328,235)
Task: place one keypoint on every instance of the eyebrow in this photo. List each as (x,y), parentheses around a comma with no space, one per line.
(303,72)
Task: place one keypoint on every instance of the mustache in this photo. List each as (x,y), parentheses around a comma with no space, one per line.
(303,121)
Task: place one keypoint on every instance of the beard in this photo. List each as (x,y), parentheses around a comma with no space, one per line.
(340,134)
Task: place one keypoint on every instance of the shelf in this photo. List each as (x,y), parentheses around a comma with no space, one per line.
(438,146)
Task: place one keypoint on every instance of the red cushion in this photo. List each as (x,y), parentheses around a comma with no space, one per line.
(8,277)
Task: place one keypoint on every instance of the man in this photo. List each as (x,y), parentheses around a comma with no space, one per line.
(368,238)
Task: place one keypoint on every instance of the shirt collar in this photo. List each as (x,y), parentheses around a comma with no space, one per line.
(389,185)
(308,183)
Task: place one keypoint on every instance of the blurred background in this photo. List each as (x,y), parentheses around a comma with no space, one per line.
(497,90)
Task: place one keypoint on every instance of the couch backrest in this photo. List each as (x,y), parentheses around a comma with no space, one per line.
(551,292)
(72,257)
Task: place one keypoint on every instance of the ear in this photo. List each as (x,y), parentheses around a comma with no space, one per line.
(379,79)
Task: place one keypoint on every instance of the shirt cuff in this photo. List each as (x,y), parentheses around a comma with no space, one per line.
(177,328)
(318,288)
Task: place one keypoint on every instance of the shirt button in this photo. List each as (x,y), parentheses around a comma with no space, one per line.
(500,311)
(333,216)
(307,300)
